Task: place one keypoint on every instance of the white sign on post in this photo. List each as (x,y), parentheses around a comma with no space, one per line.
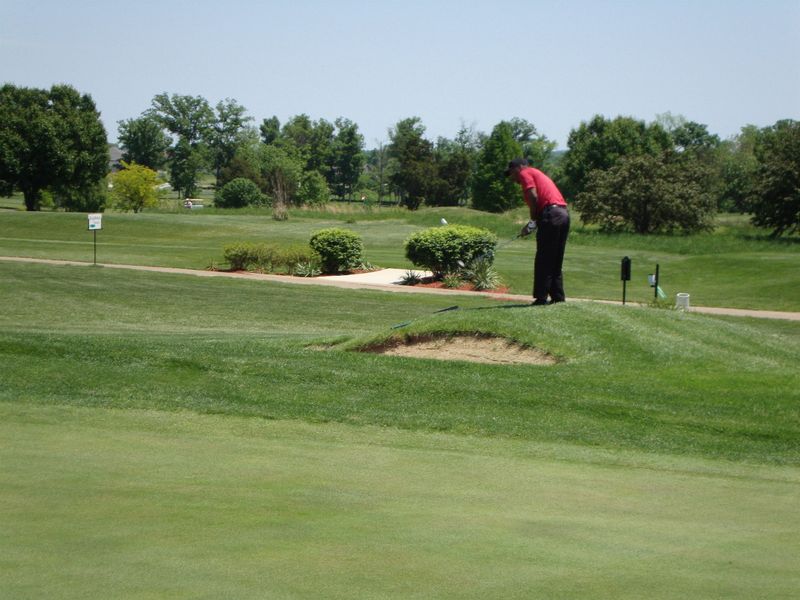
(95,221)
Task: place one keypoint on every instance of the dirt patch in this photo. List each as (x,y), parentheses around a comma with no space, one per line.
(482,349)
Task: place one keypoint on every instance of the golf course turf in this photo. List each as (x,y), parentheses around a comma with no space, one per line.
(168,436)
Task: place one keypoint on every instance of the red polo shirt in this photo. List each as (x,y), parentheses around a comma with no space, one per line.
(546,191)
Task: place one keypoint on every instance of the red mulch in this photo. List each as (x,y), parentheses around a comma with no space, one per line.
(464,287)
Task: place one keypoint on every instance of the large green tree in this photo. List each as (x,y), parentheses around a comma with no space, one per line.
(190,119)
(52,140)
(601,143)
(270,130)
(491,189)
(348,157)
(414,170)
(246,162)
(775,193)
(226,133)
(453,167)
(144,142)
(648,193)
(737,163)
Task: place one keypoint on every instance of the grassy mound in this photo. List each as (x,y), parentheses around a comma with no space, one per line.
(628,378)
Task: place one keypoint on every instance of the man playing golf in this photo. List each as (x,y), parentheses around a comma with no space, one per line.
(550,219)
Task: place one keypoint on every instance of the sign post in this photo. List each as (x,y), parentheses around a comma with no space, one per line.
(625,275)
(95,223)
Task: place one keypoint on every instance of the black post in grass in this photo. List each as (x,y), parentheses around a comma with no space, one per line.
(655,296)
(652,279)
(625,276)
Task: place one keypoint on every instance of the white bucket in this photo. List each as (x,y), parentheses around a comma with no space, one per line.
(682,301)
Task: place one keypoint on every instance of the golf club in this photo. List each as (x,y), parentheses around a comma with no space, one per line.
(498,247)
(441,310)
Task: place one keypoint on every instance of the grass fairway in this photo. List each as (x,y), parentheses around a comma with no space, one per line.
(173,436)
(735,266)
(108,503)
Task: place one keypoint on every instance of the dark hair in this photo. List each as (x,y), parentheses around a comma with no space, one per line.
(517,162)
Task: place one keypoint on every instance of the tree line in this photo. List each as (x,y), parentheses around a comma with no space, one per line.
(621,173)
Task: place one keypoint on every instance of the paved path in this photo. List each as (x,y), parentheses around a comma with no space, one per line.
(386,280)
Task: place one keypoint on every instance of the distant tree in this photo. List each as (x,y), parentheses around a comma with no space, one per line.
(414,172)
(311,142)
(313,189)
(246,162)
(737,162)
(270,130)
(283,173)
(190,120)
(134,188)
(186,164)
(348,157)
(52,141)
(601,143)
(469,142)
(536,148)
(648,193)
(375,176)
(143,142)
(491,190)
(695,138)
(297,135)
(775,194)
(226,133)
(453,166)
(322,149)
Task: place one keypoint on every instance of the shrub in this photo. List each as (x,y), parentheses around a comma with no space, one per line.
(314,189)
(268,257)
(339,249)
(134,188)
(411,278)
(481,274)
(288,258)
(441,249)
(307,269)
(452,281)
(239,192)
(243,256)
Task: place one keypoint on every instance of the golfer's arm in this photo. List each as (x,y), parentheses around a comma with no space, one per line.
(533,198)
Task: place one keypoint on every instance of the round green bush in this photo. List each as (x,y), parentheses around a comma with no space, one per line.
(339,249)
(314,189)
(440,249)
(239,192)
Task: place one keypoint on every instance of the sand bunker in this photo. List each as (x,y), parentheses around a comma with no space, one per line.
(482,349)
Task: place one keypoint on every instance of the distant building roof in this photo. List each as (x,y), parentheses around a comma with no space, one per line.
(114,153)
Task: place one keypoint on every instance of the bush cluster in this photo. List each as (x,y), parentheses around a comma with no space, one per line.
(268,257)
(339,249)
(238,193)
(441,249)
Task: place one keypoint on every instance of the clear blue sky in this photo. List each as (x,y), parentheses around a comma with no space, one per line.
(725,63)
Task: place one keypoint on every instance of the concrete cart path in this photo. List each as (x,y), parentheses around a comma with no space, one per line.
(386,280)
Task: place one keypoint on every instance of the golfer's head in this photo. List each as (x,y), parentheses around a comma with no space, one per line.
(515,166)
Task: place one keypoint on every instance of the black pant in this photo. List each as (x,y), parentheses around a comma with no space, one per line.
(551,240)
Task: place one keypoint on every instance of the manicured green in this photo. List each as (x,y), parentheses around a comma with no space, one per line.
(100,503)
(169,435)
(636,378)
(735,266)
